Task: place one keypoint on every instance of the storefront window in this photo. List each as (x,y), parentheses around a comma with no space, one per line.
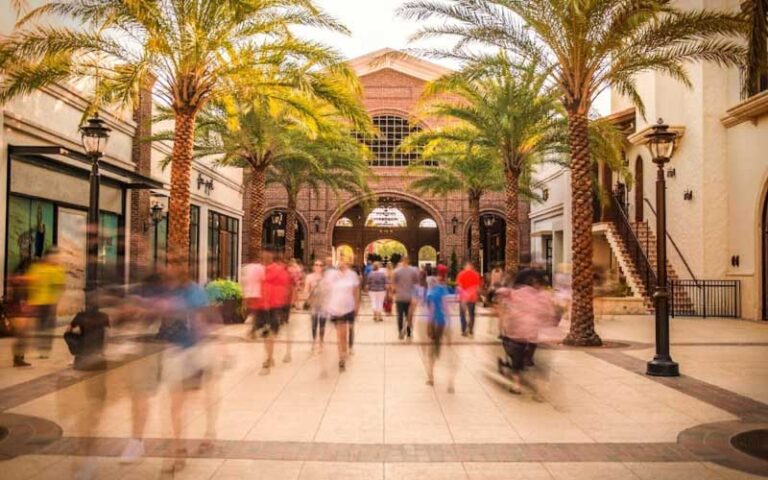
(30,231)
(109,238)
(222,246)
(194,241)
(158,242)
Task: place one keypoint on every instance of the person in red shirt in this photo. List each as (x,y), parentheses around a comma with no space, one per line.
(468,283)
(276,294)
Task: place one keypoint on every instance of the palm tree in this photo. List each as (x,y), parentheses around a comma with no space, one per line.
(255,127)
(334,159)
(450,166)
(755,74)
(193,48)
(589,45)
(509,111)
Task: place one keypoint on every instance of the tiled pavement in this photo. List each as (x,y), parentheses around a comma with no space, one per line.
(598,416)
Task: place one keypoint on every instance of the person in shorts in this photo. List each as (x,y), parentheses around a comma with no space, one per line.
(342,302)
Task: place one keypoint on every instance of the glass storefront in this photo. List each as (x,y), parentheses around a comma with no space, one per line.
(194,242)
(222,246)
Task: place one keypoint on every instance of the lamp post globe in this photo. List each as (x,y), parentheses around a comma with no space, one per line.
(661,143)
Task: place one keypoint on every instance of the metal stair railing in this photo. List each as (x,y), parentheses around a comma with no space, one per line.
(637,255)
(674,245)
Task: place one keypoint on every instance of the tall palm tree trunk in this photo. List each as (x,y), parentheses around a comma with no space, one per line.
(290,227)
(178,204)
(512,246)
(257,190)
(582,314)
(474,222)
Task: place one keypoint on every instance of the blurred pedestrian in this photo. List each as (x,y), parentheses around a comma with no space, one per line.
(19,312)
(405,281)
(524,310)
(314,288)
(46,281)
(376,283)
(342,303)
(468,283)
(437,325)
(276,291)
(252,280)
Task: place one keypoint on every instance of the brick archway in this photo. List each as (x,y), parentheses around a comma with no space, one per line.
(360,236)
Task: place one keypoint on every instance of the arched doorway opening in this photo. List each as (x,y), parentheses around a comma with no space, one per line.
(493,238)
(764,248)
(391,219)
(427,256)
(385,251)
(639,207)
(273,235)
(344,253)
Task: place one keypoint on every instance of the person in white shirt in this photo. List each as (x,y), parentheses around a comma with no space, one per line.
(252,278)
(342,301)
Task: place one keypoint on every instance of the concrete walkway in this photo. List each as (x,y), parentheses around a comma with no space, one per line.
(591,413)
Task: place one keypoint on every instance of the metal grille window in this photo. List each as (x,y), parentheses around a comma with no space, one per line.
(392,131)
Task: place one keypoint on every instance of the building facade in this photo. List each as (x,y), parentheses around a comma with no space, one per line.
(716,183)
(44,187)
(392,87)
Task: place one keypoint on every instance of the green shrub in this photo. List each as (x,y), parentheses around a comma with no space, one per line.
(221,290)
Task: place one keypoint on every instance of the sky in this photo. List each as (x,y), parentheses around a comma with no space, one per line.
(375,25)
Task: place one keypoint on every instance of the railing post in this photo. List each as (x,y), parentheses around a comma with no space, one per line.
(704,302)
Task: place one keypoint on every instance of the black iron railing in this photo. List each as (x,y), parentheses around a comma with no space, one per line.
(635,250)
(705,298)
(672,241)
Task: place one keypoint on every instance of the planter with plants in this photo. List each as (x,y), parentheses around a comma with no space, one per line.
(228,296)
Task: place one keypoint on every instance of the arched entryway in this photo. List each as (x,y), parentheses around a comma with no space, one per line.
(493,238)
(385,251)
(764,254)
(273,235)
(386,218)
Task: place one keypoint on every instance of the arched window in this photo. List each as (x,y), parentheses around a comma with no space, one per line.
(386,217)
(427,223)
(344,222)
(392,131)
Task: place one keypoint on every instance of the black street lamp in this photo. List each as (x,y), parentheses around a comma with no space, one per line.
(95,136)
(661,144)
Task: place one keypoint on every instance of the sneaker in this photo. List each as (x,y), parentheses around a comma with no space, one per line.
(401,336)
(133,452)
(463,334)
(342,365)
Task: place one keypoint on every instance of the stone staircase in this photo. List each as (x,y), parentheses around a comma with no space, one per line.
(647,240)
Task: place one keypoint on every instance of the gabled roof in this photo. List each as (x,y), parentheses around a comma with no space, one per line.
(398,61)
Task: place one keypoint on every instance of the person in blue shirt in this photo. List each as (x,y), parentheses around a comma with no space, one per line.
(437,322)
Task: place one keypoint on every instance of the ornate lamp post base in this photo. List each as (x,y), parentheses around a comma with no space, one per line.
(662,367)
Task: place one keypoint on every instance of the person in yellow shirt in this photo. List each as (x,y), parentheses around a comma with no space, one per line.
(46,280)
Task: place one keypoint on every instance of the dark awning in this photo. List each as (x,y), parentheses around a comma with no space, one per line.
(72,160)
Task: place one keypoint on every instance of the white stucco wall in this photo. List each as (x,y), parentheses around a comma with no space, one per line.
(725,168)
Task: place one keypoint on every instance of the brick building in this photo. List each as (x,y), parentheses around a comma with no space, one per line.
(392,85)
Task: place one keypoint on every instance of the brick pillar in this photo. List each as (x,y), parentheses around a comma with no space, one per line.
(141,155)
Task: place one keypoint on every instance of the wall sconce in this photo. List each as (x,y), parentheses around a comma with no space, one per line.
(735,260)
(545,194)
(454,224)
(688,195)
(203,183)
(671,173)
(316,221)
